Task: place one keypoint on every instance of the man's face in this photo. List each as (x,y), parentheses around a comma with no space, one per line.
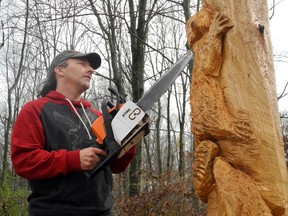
(77,74)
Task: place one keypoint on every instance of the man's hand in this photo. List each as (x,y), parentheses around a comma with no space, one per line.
(89,157)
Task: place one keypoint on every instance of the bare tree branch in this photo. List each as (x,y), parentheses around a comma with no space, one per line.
(284,93)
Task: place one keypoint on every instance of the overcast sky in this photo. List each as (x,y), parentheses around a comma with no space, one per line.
(279,34)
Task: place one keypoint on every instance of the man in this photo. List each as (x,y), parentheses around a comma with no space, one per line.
(52,144)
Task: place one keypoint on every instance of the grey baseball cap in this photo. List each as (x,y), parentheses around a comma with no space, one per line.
(93,58)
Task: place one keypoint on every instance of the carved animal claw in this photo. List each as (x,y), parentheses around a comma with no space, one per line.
(203,168)
(242,129)
(241,126)
(221,23)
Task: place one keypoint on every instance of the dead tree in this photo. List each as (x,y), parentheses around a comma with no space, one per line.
(239,166)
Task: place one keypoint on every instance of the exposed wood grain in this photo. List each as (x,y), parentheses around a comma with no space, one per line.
(239,166)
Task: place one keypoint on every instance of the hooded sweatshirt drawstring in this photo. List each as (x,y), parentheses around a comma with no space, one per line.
(86,114)
(90,137)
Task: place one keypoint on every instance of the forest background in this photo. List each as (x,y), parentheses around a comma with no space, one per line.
(138,41)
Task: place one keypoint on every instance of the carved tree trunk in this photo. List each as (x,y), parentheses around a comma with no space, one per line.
(239,166)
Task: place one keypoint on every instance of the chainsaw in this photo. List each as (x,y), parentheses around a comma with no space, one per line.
(122,126)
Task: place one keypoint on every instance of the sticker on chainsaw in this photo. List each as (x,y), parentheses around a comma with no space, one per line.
(126,120)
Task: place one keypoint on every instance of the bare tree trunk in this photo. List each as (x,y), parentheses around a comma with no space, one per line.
(138,38)
(169,143)
(3,35)
(181,105)
(148,154)
(158,138)
(239,166)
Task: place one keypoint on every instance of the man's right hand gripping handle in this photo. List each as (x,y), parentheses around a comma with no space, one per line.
(90,157)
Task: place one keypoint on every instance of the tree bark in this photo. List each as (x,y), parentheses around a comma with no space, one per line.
(169,143)
(138,37)
(239,166)
(158,138)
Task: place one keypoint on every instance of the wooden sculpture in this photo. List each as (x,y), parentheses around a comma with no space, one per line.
(239,166)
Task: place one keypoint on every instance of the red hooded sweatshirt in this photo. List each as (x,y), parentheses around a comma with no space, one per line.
(45,144)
